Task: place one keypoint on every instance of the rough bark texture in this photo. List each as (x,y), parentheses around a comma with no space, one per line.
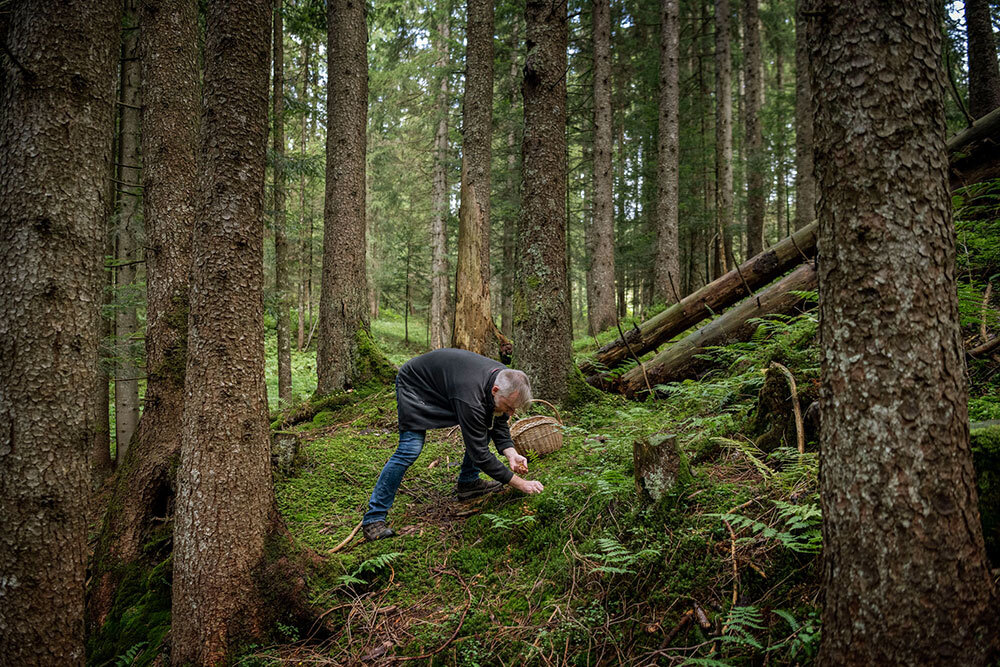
(707,301)
(224,489)
(343,311)
(514,195)
(779,141)
(474,328)
(601,230)
(305,235)
(753,103)
(128,228)
(905,572)
(439,228)
(284,322)
(145,483)
(805,178)
(723,142)
(984,74)
(541,307)
(55,138)
(678,362)
(667,265)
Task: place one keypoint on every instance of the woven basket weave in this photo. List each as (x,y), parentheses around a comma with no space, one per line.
(539,433)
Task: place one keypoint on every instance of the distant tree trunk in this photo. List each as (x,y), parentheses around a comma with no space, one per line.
(344,330)
(439,226)
(906,582)
(58,65)
(101,465)
(284,323)
(754,101)
(305,238)
(510,222)
(146,479)
(129,206)
(667,265)
(474,328)
(224,491)
(601,231)
(723,143)
(541,317)
(984,74)
(779,147)
(805,179)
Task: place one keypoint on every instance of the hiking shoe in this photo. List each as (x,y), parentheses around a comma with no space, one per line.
(377,531)
(469,490)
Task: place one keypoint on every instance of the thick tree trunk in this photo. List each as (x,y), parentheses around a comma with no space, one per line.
(60,65)
(224,491)
(723,241)
(439,230)
(129,206)
(667,265)
(678,361)
(779,142)
(510,221)
(984,74)
(284,323)
(145,483)
(305,237)
(541,307)
(905,582)
(753,103)
(707,301)
(601,230)
(805,179)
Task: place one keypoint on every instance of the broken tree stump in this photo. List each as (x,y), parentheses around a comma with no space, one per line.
(284,450)
(660,466)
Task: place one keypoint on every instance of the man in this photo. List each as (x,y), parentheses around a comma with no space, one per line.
(443,388)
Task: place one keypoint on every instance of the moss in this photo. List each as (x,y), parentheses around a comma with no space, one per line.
(310,409)
(986,460)
(578,391)
(371,368)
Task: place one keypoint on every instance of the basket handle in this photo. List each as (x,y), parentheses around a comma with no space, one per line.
(558,418)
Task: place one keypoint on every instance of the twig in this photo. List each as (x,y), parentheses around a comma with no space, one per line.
(986,347)
(685,619)
(804,256)
(347,540)
(29,76)
(799,433)
(954,90)
(677,298)
(632,352)
(457,629)
(982,316)
(745,286)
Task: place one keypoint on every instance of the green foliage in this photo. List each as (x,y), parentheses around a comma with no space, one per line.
(799,526)
(371,566)
(615,558)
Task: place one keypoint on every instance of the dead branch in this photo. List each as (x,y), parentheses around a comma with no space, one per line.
(799,431)
(347,540)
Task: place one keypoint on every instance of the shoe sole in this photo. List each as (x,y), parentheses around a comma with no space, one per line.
(469,495)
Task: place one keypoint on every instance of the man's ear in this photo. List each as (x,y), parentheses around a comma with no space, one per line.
(495,390)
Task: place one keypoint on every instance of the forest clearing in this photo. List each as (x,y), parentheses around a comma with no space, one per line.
(548,332)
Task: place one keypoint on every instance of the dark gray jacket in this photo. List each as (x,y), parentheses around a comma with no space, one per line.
(448,387)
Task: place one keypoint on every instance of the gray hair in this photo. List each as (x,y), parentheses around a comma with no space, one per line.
(511,382)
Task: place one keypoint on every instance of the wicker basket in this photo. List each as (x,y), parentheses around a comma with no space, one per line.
(539,433)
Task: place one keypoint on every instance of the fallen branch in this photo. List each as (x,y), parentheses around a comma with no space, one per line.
(457,629)
(347,540)
(982,316)
(637,360)
(799,431)
(681,624)
(985,348)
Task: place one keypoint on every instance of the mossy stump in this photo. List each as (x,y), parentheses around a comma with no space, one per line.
(660,466)
(284,450)
(985,441)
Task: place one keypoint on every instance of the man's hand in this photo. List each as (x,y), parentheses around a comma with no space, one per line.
(517,462)
(526,486)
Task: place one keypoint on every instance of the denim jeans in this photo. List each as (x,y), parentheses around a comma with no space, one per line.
(410,444)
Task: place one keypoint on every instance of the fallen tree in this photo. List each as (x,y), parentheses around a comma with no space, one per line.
(679,362)
(706,302)
(975,152)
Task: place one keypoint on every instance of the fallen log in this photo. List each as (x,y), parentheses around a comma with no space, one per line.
(975,152)
(678,361)
(706,302)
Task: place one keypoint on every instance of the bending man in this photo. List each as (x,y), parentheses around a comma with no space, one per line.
(441,389)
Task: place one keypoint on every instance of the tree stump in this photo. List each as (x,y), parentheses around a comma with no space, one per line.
(660,466)
(284,450)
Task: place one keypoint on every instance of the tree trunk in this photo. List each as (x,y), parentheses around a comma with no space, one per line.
(224,491)
(59,65)
(667,265)
(708,301)
(510,221)
(305,238)
(678,362)
(723,143)
(541,317)
(129,206)
(145,483)
(284,323)
(601,230)
(754,101)
(779,142)
(984,74)
(906,582)
(474,328)
(101,464)
(805,179)
(439,227)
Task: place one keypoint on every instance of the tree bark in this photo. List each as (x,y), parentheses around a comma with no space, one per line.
(723,243)
(129,206)
(678,361)
(541,307)
(224,492)
(601,230)
(754,101)
(305,237)
(907,582)
(779,141)
(708,301)
(667,265)
(805,179)
(53,199)
(284,323)
(984,73)
(510,222)
(439,229)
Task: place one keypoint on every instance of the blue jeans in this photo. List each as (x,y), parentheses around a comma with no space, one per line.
(410,444)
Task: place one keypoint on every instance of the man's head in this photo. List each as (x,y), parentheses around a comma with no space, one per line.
(511,391)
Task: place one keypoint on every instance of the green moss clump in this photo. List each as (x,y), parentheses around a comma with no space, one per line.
(371,368)
(578,391)
(986,460)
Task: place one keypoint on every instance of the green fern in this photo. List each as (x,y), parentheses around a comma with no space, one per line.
(801,526)
(616,558)
(128,658)
(372,565)
(503,523)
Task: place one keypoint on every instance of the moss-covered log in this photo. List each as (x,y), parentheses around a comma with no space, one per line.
(985,442)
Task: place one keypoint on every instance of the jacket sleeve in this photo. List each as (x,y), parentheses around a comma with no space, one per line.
(500,434)
(475,432)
